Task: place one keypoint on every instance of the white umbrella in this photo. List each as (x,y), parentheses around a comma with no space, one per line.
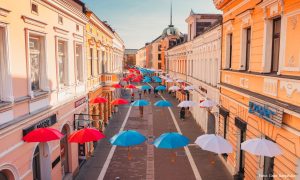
(214,143)
(187,104)
(189,88)
(208,103)
(174,88)
(169,80)
(179,80)
(261,147)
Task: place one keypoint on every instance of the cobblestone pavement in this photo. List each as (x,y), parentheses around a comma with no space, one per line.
(148,162)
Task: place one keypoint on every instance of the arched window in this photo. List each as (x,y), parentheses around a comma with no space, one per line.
(36,165)
(6,175)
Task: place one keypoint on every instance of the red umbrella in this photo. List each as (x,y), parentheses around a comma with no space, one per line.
(99,100)
(86,135)
(130,86)
(43,135)
(126,79)
(116,86)
(136,80)
(131,70)
(119,101)
(131,76)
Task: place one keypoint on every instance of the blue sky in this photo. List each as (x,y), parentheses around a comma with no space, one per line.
(141,21)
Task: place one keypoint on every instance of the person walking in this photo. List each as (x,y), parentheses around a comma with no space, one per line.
(132,97)
(149,91)
(182,113)
(141,111)
(140,94)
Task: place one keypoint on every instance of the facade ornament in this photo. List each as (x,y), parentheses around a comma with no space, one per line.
(290,87)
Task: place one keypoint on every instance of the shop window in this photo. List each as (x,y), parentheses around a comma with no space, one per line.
(275,44)
(34,8)
(62,63)
(36,164)
(79,63)
(268,165)
(228,51)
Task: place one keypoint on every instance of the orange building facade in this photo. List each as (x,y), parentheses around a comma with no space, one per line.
(260,87)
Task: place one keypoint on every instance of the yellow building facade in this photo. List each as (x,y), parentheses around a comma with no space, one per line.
(260,87)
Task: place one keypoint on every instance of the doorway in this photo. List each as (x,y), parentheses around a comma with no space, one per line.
(41,162)
(64,151)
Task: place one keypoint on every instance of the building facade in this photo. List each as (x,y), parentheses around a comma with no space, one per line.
(42,85)
(141,57)
(130,57)
(260,70)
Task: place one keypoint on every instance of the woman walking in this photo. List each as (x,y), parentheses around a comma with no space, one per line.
(182,113)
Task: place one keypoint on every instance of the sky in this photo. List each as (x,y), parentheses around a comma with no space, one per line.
(141,21)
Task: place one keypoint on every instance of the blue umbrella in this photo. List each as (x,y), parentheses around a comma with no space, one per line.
(155,77)
(145,87)
(161,88)
(158,80)
(171,140)
(146,80)
(140,102)
(162,103)
(127,138)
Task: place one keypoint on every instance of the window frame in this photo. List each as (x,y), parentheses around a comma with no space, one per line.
(79,72)
(66,69)
(273,39)
(245,52)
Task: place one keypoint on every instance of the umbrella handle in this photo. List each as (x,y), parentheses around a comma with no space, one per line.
(173,157)
(45,155)
(128,154)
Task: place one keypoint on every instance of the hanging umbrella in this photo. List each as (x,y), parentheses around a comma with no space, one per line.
(119,101)
(261,147)
(171,140)
(169,80)
(140,102)
(117,86)
(99,100)
(136,80)
(161,88)
(145,87)
(162,103)
(187,104)
(130,86)
(155,77)
(179,80)
(125,79)
(131,76)
(174,88)
(128,138)
(188,88)
(214,143)
(86,135)
(158,80)
(207,103)
(43,135)
(146,80)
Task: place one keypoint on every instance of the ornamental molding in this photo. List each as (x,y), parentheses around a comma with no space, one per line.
(4,12)
(290,87)
(244,83)
(60,31)
(246,16)
(270,86)
(34,22)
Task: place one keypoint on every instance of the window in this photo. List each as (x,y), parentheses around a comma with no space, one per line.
(77,27)
(248,43)
(159,65)
(79,62)
(34,8)
(102,62)
(228,51)
(35,62)
(275,44)
(60,19)
(2,59)
(159,56)
(62,63)
(91,63)
(159,48)
(98,62)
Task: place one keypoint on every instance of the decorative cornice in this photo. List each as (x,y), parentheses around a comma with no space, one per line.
(220,3)
(4,12)
(61,31)
(33,22)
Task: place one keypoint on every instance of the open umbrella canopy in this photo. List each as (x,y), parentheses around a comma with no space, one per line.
(140,102)
(157,80)
(261,147)
(174,88)
(117,86)
(99,100)
(188,88)
(119,101)
(155,77)
(43,135)
(130,76)
(86,135)
(130,86)
(171,140)
(162,103)
(187,104)
(145,87)
(161,88)
(169,80)
(147,80)
(125,79)
(207,103)
(127,138)
(136,80)
(179,80)
(214,143)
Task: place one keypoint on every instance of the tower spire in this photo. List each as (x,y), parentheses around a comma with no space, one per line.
(171,14)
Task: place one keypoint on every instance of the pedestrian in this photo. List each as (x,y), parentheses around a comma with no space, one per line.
(182,113)
(140,94)
(116,108)
(132,97)
(141,111)
(145,91)
(149,91)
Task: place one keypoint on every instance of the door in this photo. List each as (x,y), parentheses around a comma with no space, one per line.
(211,124)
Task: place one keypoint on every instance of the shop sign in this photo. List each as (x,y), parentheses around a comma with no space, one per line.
(80,102)
(41,124)
(266,111)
